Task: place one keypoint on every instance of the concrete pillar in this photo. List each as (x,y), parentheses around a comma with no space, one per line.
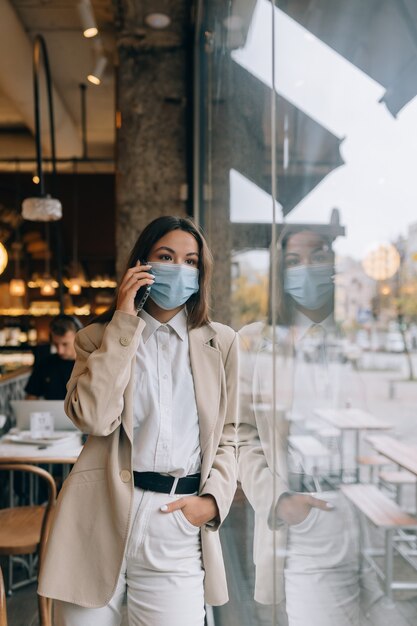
(152,117)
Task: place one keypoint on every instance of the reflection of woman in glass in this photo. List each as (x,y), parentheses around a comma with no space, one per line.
(306,266)
(316,543)
(156,392)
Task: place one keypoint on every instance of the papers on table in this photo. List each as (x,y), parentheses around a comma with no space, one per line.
(24,437)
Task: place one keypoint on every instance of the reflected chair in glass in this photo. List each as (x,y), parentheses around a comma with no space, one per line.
(24,531)
(3,608)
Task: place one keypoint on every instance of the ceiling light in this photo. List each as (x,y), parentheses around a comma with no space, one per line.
(48,286)
(96,75)
(17,287)
(45,209)
(158,20)
(85,11)
(75,287)
(90,32)
(3,258)
(38,281)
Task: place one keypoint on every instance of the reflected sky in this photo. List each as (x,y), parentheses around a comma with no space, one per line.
(375,189)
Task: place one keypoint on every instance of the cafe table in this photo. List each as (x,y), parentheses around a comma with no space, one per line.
(355,420)
(16,447)
(64,452)
(401,453)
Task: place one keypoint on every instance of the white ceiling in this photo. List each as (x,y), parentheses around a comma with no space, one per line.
(71,58)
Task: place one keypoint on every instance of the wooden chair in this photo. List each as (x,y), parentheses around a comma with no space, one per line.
(3,610)
(24,529)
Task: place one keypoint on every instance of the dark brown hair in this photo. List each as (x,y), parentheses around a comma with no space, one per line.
(198,304)
(61,324)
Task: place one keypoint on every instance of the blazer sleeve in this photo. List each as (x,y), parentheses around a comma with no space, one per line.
(222,480)
(259,440)
(94,400)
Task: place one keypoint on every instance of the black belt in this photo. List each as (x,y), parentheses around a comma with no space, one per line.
(152,481)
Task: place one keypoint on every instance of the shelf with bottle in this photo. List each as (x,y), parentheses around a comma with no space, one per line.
(17,332)
(18,338)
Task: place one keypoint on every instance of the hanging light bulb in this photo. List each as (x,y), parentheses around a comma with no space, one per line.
(85,11)
(47,283)
(74,287)
(98,71)
(76,278)
(3,258)
(17,287)
(47,288)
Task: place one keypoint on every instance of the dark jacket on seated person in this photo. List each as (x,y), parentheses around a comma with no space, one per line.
(49,378)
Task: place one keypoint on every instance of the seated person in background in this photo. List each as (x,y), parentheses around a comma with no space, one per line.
(50,376)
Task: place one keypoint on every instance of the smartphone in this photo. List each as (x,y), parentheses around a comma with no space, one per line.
(143,293)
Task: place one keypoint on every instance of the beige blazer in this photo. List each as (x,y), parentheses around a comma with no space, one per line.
(262,449)
(86,545)
(263,442)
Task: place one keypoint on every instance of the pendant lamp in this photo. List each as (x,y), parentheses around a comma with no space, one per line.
(42,208)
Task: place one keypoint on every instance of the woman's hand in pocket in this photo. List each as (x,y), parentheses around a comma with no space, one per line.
(197,509)
(293,508)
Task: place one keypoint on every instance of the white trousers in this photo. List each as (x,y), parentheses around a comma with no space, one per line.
(162,572)
(324,576)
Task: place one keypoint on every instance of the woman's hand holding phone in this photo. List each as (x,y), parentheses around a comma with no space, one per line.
(135,278)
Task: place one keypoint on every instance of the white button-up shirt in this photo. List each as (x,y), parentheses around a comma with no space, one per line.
(166,434)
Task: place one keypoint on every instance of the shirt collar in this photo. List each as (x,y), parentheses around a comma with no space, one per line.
(178,324)
(303,324)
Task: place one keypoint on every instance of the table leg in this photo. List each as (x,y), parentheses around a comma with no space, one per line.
(389,562)
(31,490)
(342,454)
(10,558)
(11,489)
(357,446)
(416,501)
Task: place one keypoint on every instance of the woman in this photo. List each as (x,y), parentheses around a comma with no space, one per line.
(157,393)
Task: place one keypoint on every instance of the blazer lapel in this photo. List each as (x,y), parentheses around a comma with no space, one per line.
(206,369)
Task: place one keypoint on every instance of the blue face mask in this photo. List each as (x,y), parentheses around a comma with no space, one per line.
(174,284)
(311,286)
